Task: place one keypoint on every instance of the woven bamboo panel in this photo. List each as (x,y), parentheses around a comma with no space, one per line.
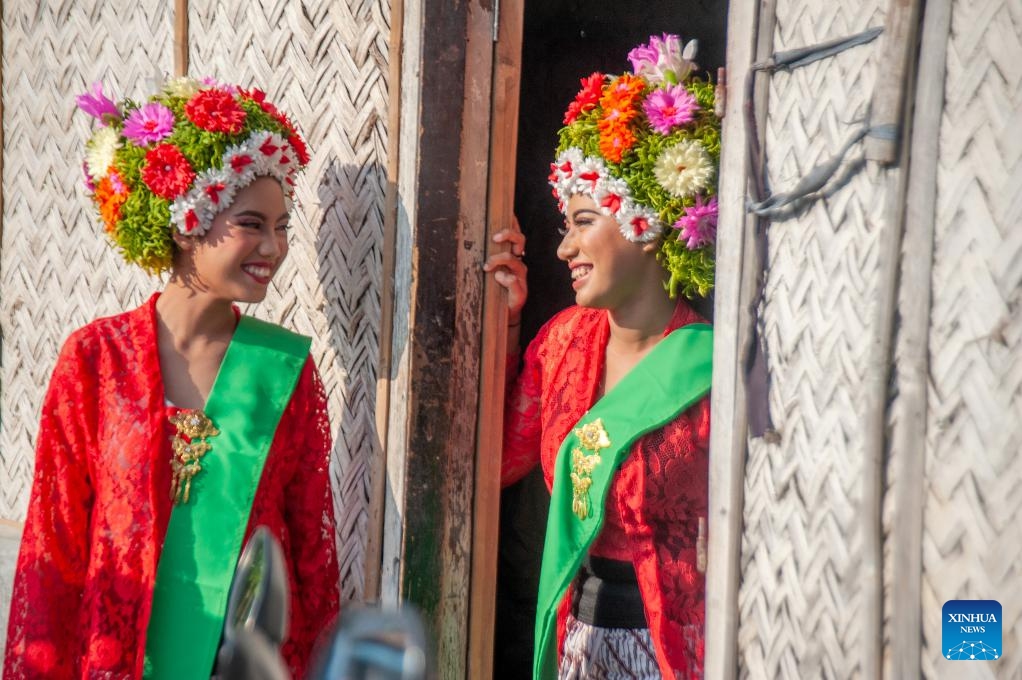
(972,533)
(326,62)
(800,597)
(56,271)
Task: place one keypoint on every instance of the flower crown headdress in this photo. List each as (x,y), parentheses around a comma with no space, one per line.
(645,146)
(177,160)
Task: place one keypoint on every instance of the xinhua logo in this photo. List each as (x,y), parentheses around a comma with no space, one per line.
(972,630)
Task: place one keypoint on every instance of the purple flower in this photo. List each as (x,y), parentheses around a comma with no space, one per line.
(698,226)
(117,183)
(149,124)
(90,186)
(664,60)
(210,81)
(670,107)
(98,105)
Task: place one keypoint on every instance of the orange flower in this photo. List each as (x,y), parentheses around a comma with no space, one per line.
(615,139)
(109,200)
(623,93)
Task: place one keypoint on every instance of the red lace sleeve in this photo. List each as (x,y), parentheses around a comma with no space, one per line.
(309,515)
(43,631)
(522,424)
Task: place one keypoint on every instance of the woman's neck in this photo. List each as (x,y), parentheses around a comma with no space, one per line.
(187,315)
(635,328)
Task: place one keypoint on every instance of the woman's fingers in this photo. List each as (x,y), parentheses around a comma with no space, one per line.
(514,237)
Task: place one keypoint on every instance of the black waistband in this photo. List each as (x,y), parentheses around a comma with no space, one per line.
(607,595)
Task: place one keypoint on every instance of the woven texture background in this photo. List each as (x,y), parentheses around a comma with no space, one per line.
(56,270)
(972,533)
(326,64)
(800,596)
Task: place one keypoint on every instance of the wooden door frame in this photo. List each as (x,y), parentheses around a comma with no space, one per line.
(444,412)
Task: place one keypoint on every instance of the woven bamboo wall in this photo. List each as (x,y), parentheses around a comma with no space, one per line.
(56,271)
(800,597)
(327,63)
(972,521)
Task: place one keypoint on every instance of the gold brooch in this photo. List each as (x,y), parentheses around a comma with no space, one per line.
(185,463)
(584,460)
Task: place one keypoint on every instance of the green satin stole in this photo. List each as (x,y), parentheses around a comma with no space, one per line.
(674,375)
(203,541)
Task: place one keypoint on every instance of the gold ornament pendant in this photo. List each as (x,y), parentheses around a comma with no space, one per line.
(584,460)
(185,463)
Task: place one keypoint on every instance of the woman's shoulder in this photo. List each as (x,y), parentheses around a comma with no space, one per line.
(107,331)
(573,319)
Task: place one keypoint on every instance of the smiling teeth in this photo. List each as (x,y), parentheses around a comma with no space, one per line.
(579,272)
(257,271)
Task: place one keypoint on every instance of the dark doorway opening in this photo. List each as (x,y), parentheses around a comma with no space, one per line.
(565,40)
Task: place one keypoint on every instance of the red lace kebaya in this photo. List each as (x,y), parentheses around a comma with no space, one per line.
(658,495)
(101,501)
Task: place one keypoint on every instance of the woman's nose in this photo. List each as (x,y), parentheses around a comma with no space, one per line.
(566,249)
(272,244)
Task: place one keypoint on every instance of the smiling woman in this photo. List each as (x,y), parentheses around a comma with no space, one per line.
(171,431)
(612,396)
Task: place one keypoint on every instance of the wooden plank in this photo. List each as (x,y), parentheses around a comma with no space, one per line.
(735,288)
(877,377)
(453,134)
(180,37)
(2,147)
(399,417)
(378,478)
(901,26)
(909,438)
(486,526)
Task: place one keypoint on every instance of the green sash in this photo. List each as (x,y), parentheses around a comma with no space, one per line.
(203,541)
(672,377)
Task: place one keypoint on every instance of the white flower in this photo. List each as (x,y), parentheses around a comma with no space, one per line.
(182,87)
(684,169)
(100,151)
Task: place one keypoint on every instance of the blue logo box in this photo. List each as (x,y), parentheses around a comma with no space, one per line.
(971,630)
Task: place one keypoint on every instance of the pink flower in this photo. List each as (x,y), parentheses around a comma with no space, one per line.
(150,124)
(669,108)
(663,59)
(98,105)
(117,183)
(90,185)
(698,226)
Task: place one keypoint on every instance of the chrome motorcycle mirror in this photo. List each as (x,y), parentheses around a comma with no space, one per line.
(375,644)
(257,613)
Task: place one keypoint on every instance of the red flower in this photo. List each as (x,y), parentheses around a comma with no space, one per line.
(611,202)
(268,148)
(293,138)
(213,191)
(166,171)
(216,111)
(191,221)
(639,226)
(586,99)
(298,144)
(238,163)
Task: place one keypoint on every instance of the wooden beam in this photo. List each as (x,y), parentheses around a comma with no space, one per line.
(750,35)
(877,378)
(898,50)
(378,472)
(180,37)
(2,147)
(454,75)
(909,437)
(486,527)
